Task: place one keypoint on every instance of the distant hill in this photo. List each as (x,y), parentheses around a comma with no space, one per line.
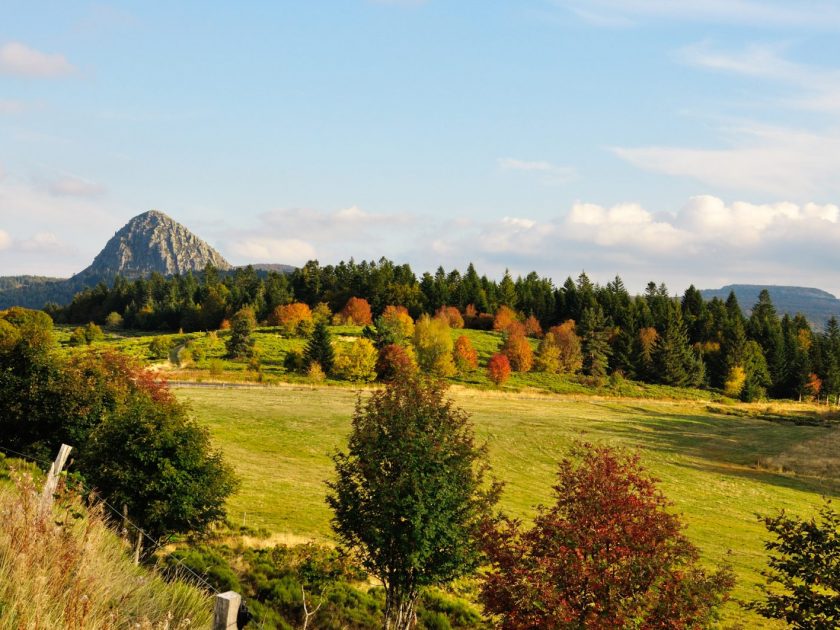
(150,242)
(272,267)
(816,305)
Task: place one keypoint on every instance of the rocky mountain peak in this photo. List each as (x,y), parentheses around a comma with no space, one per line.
(151,242)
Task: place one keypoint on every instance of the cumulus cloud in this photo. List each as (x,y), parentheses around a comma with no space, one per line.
(551,173)
(17,59)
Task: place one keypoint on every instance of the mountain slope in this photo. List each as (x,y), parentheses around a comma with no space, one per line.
(816,305)
(150,242)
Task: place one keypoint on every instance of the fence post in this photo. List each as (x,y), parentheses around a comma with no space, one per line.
(226,610)
(52,478)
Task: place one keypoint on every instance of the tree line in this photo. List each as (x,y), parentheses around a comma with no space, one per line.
(654,337)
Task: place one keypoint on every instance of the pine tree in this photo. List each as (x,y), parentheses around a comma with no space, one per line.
(319,349)
(507,292)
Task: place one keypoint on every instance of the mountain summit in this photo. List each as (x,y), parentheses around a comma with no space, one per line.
(151,242)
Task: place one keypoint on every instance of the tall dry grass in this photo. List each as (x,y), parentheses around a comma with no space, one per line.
(68,570)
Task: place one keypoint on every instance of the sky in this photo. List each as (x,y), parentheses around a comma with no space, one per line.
(680,142)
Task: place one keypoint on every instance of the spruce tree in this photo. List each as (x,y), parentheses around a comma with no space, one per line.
(594,345)
(319,349)
(674,360)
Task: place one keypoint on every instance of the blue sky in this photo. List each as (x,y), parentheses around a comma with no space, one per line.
(658,139)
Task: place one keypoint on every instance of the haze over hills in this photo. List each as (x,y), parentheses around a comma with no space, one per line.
(150,242)
(815,304)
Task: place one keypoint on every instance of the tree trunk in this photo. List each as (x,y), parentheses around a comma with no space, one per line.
(138,548)
(400,611)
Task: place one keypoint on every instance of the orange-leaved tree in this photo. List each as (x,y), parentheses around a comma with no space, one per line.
(498,369)
(465,356)
(356,311)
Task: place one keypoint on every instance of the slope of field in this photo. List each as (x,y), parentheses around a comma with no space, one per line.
(719,469)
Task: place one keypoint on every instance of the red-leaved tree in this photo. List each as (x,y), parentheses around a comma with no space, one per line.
(607,554)
(498,369)
(356,311)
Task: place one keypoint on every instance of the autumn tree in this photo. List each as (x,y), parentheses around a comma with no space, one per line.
(395,325)
(356,361)
(803,579)
(409,494)
(293,319)
(570,355)
(608,554)
(452,316)
(319,349)
(395,361)
(532,327)
(357,312)
(498,369)
(547,358)
(433,345)
(464,355)
(516,348)
(504,318)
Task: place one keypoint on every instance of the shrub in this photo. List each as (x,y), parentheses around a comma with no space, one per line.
(315,372)
(465,356)
(517,349)
(433,344)
(114,320)
(394,326)
(548,356)
(452,316)
(570,354)
(159,348)
(395,362)
(498,369)
(532,327)
(294,361)
(356,362)
(321,313)
(293,319)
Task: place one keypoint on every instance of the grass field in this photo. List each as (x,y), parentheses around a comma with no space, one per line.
(720,469)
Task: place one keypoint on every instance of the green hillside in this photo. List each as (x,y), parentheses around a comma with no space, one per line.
(720,466)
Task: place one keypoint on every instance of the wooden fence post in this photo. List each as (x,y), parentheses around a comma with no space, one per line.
(52,478)
(226,610)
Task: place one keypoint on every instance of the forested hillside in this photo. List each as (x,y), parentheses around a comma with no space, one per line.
(654,337)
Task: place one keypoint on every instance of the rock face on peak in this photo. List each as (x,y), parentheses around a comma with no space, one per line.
(152,242)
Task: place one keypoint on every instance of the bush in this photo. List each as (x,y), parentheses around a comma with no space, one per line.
(356,363)
(293,319)
(356,311)
(395,361)
(504,318)
(452,316)
(433,344)
(517,349)
(294,362)
(464,355)
(159,348)
(114,320)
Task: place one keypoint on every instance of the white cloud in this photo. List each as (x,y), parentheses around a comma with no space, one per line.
(291,251)
(42,241)
(768,160)
(20,60)
(769,13)
(9,107)
(551,173)
(5,240)
(71,186)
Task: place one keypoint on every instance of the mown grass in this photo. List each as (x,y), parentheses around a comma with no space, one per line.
(718,469)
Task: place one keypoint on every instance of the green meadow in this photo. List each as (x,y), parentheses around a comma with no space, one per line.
(720,465)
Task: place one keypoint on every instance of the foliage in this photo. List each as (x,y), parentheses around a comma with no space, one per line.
(517,349)
(464,355)
(356,362)
(319,348)
(293,319)
(409,493)
(159,347)
(532,327)
(395,325)
(504,317)
(315,373)
(452,316)
(114,321)
(804,575)
(498,369)
(595,348)
(607,554)
(735,380)
(570,357)
(356,311)
(240,343)
(433,345)
(86,335)
(395,361)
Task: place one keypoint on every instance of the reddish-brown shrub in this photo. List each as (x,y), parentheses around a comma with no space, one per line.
(395,361)
(357,311)
(532,327)
(452,315)
(517,349)
(505,317)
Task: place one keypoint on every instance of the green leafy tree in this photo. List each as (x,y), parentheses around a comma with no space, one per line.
(240,344)
(319,348)
(357,362)
(409,494)
(675,362)
(804,571)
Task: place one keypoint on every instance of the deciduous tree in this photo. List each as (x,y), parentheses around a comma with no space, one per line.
(433,344)
(608,554)
(409,494)
(498,369)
